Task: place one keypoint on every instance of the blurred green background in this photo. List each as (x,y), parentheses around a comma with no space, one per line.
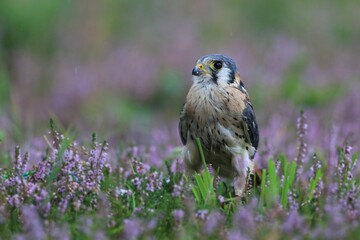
(124,66)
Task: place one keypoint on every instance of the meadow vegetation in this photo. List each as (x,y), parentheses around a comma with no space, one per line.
(122,69)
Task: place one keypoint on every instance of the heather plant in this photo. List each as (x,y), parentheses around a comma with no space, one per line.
(129,79)
(92,190)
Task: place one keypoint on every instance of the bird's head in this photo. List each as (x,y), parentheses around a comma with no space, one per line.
(214,69)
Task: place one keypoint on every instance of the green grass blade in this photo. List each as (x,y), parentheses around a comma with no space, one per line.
(292,173)
(289,177)
(285,186)
(201,185)
(203,189)
(314,182)
(196,193)
(274,192)
(198,142)
(353,159)
(263,184)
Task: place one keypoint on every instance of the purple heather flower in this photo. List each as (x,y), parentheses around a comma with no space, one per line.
(236,235)
(20,161)
(33,227)
(63,204)
(139,210)
(154,181)
(87,225)
(99,235)
(122,192)
(333,156)
(141,168)
(293,204)
(46,209)
(76,204)
(58,232)
(213,222)
(151,225)
(177,166)
(337,225)
(277,166)
(131,229)
(178,215)
(178,189)
(14,200)
(294,224)
(302,144)
(332,188)
(221,199)
(2,214)
(31,188)
(244,218)
(134,151)
(136,182)
(41,196)
(160,136)
(181,165)
(155,157)
(42,170)
(68,155)
(202,214)
(217,182)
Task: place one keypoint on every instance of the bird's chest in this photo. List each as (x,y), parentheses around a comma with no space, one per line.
(212,120)
(207,103)
(205,109)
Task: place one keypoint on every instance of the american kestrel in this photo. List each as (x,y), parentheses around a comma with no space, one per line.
(218,111)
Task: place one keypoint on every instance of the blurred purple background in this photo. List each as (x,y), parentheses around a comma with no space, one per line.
(123,68)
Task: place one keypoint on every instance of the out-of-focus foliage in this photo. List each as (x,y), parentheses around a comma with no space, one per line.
(122,68)
(125,64)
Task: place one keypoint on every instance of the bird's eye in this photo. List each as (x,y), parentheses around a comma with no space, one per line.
(217,65)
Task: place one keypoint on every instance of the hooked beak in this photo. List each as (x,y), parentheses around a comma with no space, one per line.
(198,70)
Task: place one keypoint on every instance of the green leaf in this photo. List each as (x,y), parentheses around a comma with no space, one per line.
(285,186)
(200,183)
(353,159)
(198,142)
(289,177)
(314,182)
(196,193)
(263,184)
(203,188)
(2,135)
(274,190)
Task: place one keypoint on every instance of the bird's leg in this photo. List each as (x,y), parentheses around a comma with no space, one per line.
(191,157)
(239,183)
(244,166)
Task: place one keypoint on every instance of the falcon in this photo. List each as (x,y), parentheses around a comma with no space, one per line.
(218,111)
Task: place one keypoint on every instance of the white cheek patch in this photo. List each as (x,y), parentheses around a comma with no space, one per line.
(223,76)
